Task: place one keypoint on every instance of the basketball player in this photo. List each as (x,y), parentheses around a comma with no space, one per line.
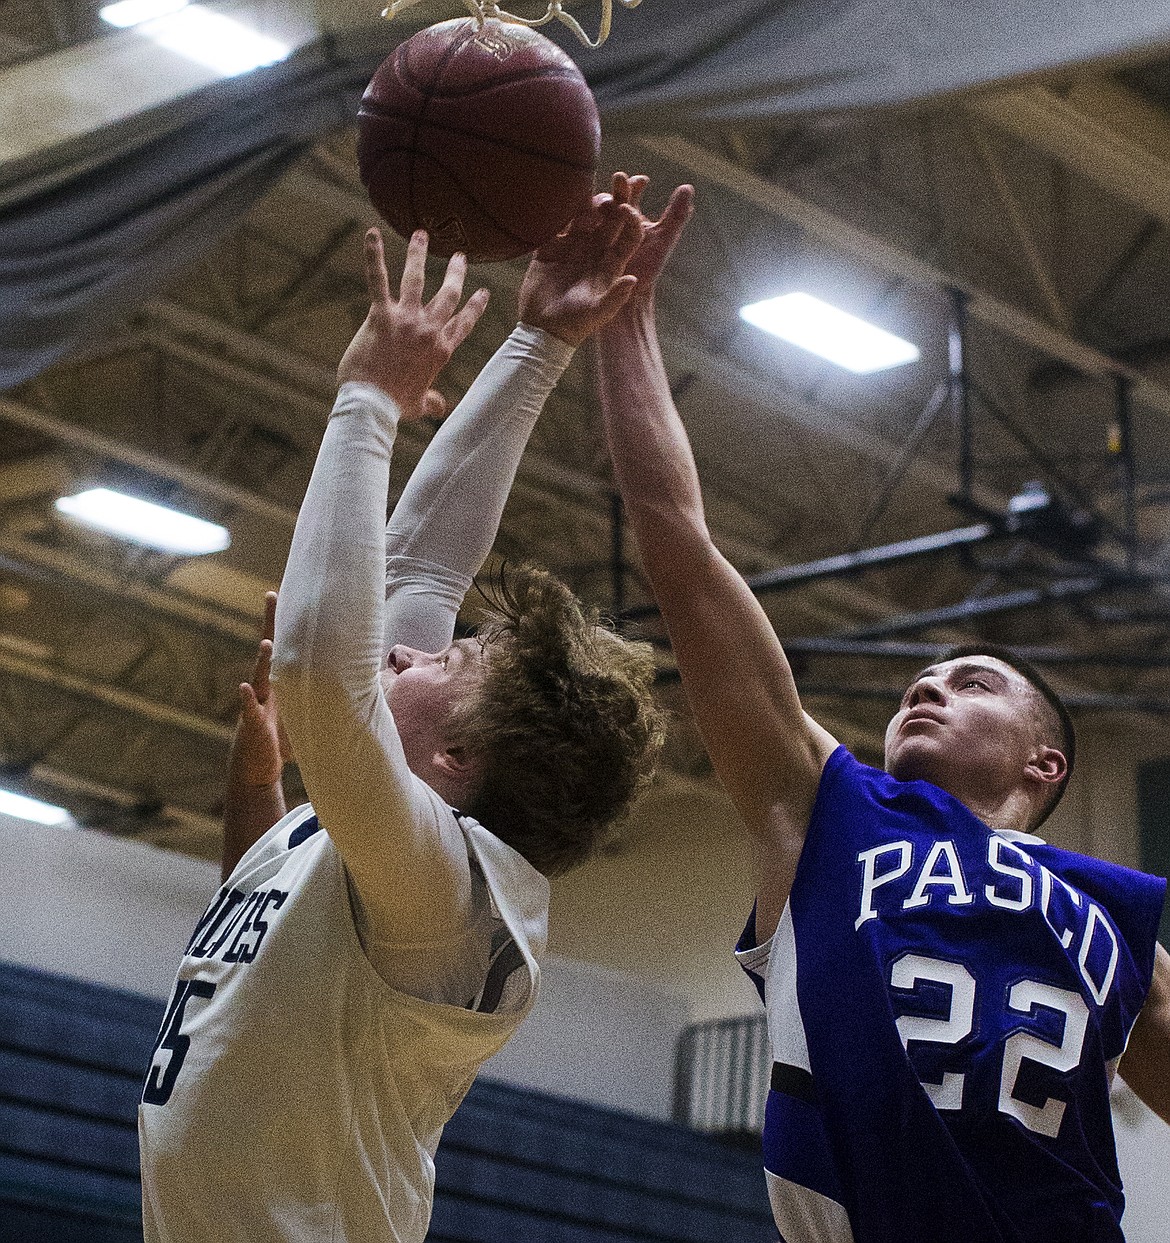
(947,996)
(368,951)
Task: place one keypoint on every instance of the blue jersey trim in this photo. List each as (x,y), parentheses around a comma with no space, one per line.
(303,832)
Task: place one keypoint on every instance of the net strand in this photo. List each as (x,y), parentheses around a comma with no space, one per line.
(481,11)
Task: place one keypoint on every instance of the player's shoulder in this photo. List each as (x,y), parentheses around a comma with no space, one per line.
(519,892)
(293,829)
(1112,883)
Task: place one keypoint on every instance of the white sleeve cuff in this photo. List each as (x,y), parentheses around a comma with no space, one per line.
(356,395)
(551,352)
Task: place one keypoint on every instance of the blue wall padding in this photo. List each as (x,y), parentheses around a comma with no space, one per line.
(72,1059)
(513,1164)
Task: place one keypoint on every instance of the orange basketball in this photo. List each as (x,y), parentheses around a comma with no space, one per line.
(485,136)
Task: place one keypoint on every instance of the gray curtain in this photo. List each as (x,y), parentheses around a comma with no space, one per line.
(673,63)
(91,245)
(100,240)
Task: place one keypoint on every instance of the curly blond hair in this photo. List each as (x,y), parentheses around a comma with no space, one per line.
(564,723)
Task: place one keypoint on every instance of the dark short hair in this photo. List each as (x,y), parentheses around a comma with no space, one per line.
(565,724)
(1029,672)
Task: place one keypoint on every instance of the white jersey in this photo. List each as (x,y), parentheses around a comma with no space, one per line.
(293,1094)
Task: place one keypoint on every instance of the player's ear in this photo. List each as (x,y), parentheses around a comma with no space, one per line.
(1046,765)
(456,761)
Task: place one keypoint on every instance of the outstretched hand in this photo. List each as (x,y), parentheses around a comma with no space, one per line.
(259,748)
(658,237)
(403,344)
(578,281)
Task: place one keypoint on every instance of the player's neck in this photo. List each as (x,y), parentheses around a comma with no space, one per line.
(1011,810)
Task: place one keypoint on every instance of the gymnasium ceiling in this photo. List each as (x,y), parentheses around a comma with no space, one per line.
(1044,205)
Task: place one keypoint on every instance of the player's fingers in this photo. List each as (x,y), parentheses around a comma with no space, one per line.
(414,270)
(444,302)
(619,294)
(678,211)
(620,187)
(377,282)
(625,241)
(459,327)
(586,220)
(638,184)
(611,217)
(434,404)
(261,670)
(247,697)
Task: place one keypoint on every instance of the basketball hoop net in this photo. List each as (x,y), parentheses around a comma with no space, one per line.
(481,11)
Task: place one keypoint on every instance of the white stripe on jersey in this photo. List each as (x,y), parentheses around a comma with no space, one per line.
(804,1215)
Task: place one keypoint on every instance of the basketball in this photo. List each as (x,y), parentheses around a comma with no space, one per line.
(485,136)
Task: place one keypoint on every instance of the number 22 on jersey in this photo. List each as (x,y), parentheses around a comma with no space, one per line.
(911,970)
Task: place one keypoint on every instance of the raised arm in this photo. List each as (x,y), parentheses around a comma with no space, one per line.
(446,519)
(254,797)
(1145,1065)
(402,849)
(398,841)
(767,752)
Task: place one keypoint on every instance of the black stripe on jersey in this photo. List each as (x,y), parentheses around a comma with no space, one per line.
(508,959)
(303,831)
(793,1081)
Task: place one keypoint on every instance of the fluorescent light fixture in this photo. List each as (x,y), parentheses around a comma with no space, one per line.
(198,33)
(133,12)
(209,38)
(32,809)
(803,320)
(155,526)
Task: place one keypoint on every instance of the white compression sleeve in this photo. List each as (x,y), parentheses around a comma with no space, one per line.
(446,520)
(402,848)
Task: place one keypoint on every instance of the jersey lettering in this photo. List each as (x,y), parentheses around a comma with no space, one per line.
(160,1080)
(1019,884)
(210,925)
(950,877)
(1064,934)
(210,918)
(996,848)
(1025,997)
(235,920)
(908,971)
(1097,920)
(242,950)
(871,879)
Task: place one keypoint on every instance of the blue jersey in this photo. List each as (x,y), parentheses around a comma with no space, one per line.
(946,1006)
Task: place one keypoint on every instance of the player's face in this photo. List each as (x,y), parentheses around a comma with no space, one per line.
(968,725)
(423,688)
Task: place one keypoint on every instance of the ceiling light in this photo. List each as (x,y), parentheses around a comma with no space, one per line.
(803,320)
(209,38)
(132,12)
(145,523)
(33,809)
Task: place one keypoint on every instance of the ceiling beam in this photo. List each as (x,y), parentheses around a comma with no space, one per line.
(739,382)
(252,351)
(1100,129)
(886,649)
(79,437)
(108,696)
(128,800)
(72,570)
(109,90)
(876,251)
